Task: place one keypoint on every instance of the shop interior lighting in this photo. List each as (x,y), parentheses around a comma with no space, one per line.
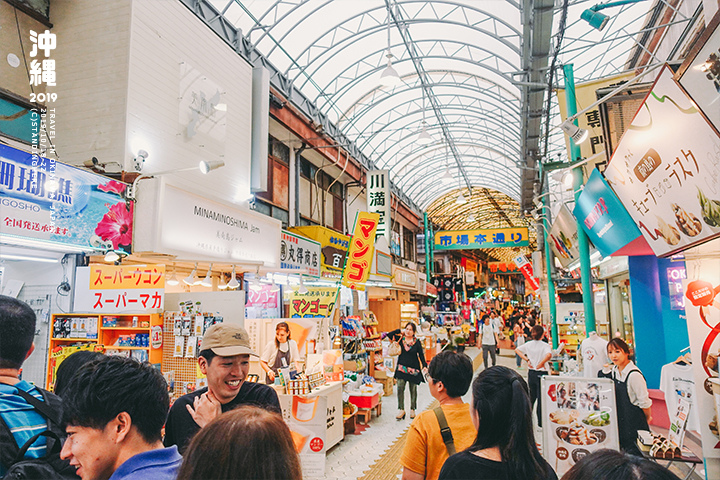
(207,281)
(424,137)
(567,180)
(389,76)
(206,167)
(302,289)
(578,135)
(203,166)
(173,280)
(598,20)
(111,256)
(461,200)
(275,287)
(191,279)
(223,284)
(470,218)
(255,283)
(447,176)
(139,160)
(29,258)
(233,283)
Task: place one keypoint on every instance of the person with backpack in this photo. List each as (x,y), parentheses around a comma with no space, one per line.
(30,429)
(437,434)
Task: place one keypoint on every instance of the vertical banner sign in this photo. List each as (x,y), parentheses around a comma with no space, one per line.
(307,418)
(666,170)
(119,288)
(526,268)
(360,253)
(563,237)
(378,200)
(578,419)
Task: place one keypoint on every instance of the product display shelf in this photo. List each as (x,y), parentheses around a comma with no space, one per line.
(87,331)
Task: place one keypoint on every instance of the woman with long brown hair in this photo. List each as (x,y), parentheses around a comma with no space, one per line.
(280,353)
(246,443)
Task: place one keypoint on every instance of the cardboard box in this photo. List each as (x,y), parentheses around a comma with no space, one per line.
(387,384)
(380,374)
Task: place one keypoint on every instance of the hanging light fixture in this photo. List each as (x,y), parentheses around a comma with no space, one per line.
(461,200)
(191,279)
(223,284)
(578,135)
(424,138)
(567,180)
(172,281)
(302,290)
(470,218)
(207,281)
(111,256)
(389,77)
(275,287)
(233,283)
(255,284)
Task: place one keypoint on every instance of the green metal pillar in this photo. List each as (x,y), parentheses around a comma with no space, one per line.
(578,182)
(427,247)
(548,268)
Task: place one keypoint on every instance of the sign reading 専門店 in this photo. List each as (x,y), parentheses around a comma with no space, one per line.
(46,200)
(666,170)
(297,253)
(481,238)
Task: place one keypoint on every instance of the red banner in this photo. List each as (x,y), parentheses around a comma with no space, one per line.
(527,270)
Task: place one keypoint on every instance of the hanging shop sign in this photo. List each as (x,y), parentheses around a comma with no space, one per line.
(318,302)
(481,238)
(606,222)
(579,417)
(564,237)
(526,269)
(590,120)
(378,200)
(699,74)
(404,278)
(503,267)
(47,200)
(469,278)
(469,265)
(360,254)
(333,248)
(298,253)
(187,225)
(666,170)
(383,264)
(119,288)
(263,303)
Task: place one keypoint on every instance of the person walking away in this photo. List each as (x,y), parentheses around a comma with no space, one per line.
(519,332)
(504,446)
(280,353)
(411,366)
(632,399)
(114,410)
(537,354)
(489,338)
(449,377)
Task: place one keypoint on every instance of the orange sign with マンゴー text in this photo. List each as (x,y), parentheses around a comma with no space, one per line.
(360,253)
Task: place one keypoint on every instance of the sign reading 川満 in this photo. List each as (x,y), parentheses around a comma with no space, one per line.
(50,201)
(481,238)
(378,199)
(666,170)
(298,253)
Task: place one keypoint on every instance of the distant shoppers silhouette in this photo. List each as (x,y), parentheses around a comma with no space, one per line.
(613,465)
(246,443)
(69,366)
(505,443)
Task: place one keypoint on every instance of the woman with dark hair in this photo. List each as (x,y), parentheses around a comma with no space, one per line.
(248,442)
(632,399)
(69,366)
(411,366)
(613,465)
(505,444)
(279,353)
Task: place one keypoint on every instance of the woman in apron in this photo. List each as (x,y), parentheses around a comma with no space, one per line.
(280,353)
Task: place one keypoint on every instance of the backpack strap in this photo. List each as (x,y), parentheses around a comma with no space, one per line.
(47,433)
(42,407)
(445,431)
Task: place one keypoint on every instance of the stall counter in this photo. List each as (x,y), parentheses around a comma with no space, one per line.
(332,391)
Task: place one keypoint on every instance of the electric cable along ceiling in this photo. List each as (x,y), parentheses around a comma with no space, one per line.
(472,78)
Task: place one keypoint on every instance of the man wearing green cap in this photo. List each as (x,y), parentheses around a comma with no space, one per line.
(225,360)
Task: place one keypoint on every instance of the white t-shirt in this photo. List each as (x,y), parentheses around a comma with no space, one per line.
(594,355)
(536,351)
(488,334)
(497,322)
(271,350)
(676,381)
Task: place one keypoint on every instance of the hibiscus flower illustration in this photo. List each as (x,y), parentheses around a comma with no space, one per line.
(113,187)
(116,225)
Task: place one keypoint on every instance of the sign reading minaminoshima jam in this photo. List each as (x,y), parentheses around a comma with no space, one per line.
(481,238)
(378,199)
(666,170)
(46,200)
(297,253)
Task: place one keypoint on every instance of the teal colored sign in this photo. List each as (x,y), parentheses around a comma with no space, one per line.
(605,220)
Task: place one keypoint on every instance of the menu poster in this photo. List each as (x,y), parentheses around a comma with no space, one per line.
(666,170)
(676,434)
(307,418)
(578,419)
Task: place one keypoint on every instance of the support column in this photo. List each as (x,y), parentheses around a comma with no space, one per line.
(578,181)
(427,247)
(548,268)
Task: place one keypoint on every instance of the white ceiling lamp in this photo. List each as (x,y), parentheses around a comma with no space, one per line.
(207,281)
(567,180)
(255,284)
(275,287)
(233,283)
(206,166)
(578,135)
(470,218)
(461,200)
(223,284)
(172,281)
(424,138)
(302,289)
(191,279)
(389,77)
(111,256)
(447,176)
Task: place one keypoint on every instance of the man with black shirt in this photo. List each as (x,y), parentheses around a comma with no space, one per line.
(225,360)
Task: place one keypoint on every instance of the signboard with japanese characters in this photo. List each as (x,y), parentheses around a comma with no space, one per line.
(666,170)
(263,302)
(503,267)
(297,253)
(590,120)
(318,302)
(404,278)
(190,226)
(119,288)
(360,253)
(378,199)
(306,416)
(563,237)
(333,248)
(50,201)
(526,269)
(481,238)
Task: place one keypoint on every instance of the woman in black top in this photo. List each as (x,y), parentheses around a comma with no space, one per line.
(411,366)
(504,448)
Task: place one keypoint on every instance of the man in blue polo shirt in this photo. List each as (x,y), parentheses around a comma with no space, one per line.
(114,410)
(20,419)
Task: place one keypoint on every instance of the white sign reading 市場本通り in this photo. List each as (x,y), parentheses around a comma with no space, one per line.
(298,253)
(666,170)
(190,226)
